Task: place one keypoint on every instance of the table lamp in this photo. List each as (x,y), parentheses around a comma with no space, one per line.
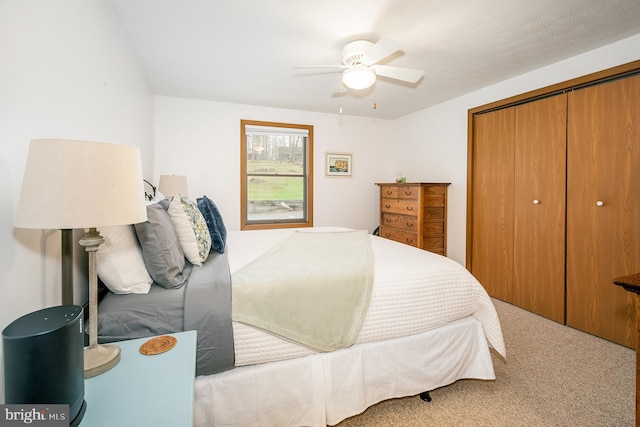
(71,184)
(170,185)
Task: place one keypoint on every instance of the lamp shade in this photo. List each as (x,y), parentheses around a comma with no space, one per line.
(170,185)
(358,77)
(80,184)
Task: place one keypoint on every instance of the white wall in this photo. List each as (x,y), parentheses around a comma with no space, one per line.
(433,142)
(66,72)
(201,139)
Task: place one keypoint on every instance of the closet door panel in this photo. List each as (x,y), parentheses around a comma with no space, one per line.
(603,207)
(492,236)
(539,219)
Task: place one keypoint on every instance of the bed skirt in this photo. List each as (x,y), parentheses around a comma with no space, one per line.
(326,388)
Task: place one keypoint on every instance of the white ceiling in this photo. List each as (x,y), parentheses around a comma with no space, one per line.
(245,51)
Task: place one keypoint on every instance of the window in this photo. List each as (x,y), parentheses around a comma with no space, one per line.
(276,175)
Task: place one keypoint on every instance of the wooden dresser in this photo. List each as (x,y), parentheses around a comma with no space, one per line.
(415,213)
(632,284)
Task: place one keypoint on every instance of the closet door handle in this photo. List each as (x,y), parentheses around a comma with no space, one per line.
(599,203)
(536,202)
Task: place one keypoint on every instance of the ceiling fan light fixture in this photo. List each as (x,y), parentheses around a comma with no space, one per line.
(358,77)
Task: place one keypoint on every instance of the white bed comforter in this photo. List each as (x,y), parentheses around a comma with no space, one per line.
(414,291)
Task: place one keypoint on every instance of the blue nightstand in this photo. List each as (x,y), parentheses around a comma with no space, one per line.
(144,390)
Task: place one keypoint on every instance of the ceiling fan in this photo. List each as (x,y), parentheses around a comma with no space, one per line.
(360,60)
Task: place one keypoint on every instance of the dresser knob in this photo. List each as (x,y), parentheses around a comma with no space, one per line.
(409,224)
(389,192)
(387,220)
(599,203)
(409,208)
(536,202)
(407,193)
(387,235)
(387,206)
(409,240)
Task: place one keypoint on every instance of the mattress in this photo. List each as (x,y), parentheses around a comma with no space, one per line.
(414,291)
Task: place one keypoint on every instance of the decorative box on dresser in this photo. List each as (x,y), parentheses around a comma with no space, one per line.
(415,213)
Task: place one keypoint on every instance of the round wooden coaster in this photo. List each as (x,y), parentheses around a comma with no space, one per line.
(158,345)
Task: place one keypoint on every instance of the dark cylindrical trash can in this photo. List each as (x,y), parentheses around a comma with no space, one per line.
(43,359)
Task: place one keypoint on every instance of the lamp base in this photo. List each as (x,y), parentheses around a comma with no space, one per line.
(100,358)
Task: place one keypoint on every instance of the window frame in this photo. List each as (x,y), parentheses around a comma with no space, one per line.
(245,224)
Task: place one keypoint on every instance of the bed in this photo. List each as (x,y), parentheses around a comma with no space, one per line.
(402,349)
(425,323)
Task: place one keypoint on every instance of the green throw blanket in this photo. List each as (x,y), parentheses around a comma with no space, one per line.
(313,289)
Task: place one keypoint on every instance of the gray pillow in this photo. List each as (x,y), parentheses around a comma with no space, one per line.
(163,256)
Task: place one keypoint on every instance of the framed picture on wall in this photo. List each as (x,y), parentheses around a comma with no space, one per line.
(338,164)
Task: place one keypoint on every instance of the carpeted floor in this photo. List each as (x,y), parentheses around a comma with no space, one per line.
(553,376)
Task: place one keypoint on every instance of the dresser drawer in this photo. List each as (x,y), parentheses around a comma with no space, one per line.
(404,192)
(388,192)
(399,235)
(404,222)
(409,192)
(407,207)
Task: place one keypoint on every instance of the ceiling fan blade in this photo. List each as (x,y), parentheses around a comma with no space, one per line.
(410,75)
(383,48)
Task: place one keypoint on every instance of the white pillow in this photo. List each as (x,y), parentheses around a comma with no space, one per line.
(120,264)
(191,229)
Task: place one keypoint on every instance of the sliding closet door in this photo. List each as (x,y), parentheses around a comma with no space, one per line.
(539,203)
(603,207)
(492,193)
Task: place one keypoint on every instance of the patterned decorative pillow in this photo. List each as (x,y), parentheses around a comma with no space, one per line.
(191,229)
(214,221)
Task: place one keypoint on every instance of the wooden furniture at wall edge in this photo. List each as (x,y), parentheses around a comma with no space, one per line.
(632,284)
(415,213)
